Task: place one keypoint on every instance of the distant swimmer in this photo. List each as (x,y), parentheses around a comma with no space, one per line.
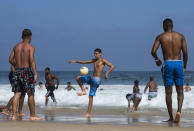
(40,85)
(69,87)
(153,89)
(95,80)
(172,44)
(50,85)
(187,88)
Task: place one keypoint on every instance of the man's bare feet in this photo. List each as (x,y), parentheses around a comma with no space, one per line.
(22,114)
(35,118)
(87,115)
(170,120)
(178,117)
(6,112)
(81,93)
(14,117)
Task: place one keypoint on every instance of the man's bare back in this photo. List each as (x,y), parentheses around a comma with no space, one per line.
(153,87)
(171,43)
(22,54)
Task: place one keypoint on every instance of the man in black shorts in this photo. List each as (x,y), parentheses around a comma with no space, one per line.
(50,85)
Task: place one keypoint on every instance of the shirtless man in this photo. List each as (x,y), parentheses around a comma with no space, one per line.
(69,87)
(25,74)
(50,85)
(6,109)
(153,89)
(95,80)
(172,43)
(187,88)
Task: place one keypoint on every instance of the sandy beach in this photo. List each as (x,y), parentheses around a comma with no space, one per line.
(102,119)
(47,126)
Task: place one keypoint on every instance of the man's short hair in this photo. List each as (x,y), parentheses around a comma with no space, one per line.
(187,84)
(47,68)
(151,78)
(98,50)
(168,23)
(26,33)
(68,82)
(136,81)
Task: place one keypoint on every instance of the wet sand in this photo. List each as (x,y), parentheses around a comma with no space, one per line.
(47,126)
(103,118)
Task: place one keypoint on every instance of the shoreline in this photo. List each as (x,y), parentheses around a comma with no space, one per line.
(48,126)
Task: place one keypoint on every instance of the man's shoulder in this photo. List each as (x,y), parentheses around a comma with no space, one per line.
(31,46)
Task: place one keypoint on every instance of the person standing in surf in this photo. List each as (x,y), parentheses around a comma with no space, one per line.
(95,80)
(153,89)
(50,85)
(172,44)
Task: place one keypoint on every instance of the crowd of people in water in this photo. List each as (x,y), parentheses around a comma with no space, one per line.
(23,75)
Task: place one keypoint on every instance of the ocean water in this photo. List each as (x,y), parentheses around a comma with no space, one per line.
(111,93)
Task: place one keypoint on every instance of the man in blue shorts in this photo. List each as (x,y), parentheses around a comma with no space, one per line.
(95,80)
(172,44)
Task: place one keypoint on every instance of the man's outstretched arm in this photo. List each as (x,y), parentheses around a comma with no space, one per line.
(111,67)
(154,51)
(185,54)
(82,62)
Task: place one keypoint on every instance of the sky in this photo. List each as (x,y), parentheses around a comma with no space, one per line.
(64,30)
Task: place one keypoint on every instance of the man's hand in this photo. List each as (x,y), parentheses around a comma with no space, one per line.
(72,61)
(158,62)
(35,77)
(106,76)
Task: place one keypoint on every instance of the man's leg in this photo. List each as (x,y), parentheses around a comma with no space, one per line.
(15,105)
(88,113)
(53,97)
(129,101)
(180,97)
(135,103)
(168,91)
(78,79)
(46,100)
(21,103)
(31,104)
(7,107)
(136,107)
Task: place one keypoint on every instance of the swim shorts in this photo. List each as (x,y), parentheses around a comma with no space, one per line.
(23,80)
(139,96)
(130,97)
(94,83)
(50,92)
(152,95)
(11,78)
(173,72)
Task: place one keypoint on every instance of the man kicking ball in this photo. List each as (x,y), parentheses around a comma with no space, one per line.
(95,80)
